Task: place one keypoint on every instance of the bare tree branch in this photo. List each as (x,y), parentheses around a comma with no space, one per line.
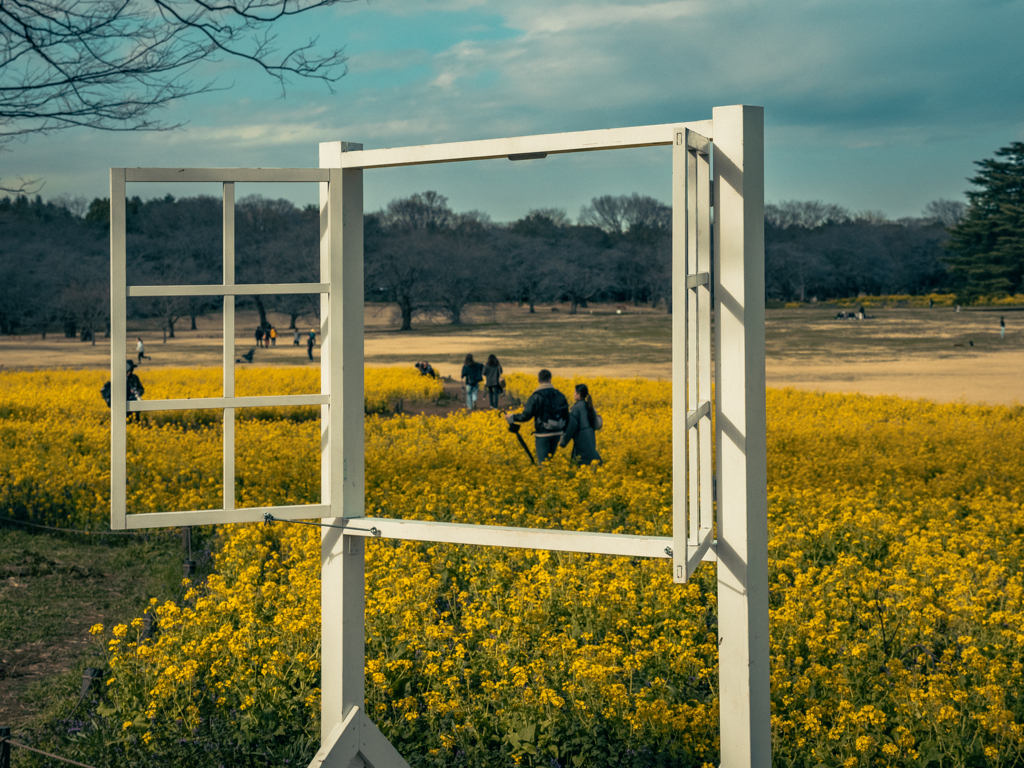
(109,64)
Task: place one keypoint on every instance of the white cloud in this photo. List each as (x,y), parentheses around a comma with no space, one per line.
(841,77)
(554,19)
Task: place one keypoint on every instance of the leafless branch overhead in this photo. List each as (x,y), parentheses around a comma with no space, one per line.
(108,64)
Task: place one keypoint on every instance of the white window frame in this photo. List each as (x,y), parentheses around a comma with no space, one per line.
(717,165)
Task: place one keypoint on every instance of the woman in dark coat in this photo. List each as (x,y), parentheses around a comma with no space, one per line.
(583,421)
(492,377)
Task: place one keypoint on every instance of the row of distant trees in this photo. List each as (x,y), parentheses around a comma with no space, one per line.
(425,258)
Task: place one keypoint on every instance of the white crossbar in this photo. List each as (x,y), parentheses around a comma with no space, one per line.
(227,174)
(197,403)
(261,289)
(224,516)
(546,144)
(621,544)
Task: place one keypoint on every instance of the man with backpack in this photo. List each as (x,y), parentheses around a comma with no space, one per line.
(550,413)
(472,375)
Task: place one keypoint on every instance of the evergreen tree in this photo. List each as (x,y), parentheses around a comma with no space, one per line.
(988,243)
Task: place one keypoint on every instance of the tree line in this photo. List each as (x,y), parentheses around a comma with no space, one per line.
(427,259)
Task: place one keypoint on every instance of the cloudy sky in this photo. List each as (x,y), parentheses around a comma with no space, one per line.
(873,104)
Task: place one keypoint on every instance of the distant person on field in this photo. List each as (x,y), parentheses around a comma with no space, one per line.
(310,343)
(295,341)
(1002,327)
(583,421)
(133,389)
(493,379)
(550,413)
(140,348)
(472,375)
(273,336)
(259,335)
(426,369)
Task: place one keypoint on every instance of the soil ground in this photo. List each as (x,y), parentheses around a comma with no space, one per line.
(53,588)
(910,352)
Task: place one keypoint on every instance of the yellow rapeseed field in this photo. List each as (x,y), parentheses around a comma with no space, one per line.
(897,629)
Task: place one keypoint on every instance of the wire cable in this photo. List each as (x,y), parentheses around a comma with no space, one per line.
(15,521)
(269,518)
(14,743)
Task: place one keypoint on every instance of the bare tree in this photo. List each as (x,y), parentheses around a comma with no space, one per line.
(402,266)
(642,212)
(607,212)
(872,218)
(421,212)
(110,64)
(529,250)
(627,213)
(556,216)
(526,263)
(808,215)
(276,242)
(76,205)
(454,275)
(89,301)
(579,272)
(635,266)
(946,212)
(792,269)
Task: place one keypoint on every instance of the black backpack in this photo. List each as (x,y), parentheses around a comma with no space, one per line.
(554,411)
(475,374)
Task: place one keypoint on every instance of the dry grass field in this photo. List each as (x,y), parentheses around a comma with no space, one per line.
(931,353)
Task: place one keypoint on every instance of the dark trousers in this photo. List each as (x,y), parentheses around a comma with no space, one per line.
(546,447)
(309,351)
(493,393)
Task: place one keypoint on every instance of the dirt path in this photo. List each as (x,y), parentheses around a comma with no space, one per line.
(934,354)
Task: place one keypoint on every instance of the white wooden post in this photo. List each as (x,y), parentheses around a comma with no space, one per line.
(745,699)
(346,734)
(228,323)
(341,591)
(118,333)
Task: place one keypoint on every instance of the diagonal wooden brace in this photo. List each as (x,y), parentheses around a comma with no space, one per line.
(356,742)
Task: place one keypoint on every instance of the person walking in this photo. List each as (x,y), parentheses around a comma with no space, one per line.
(583,421)
(140,348)
(273,336)
(133,390)
(472,375)
(1002,327)
(493,379)
(295,341)
(550,413)
(310,343)
(259,335)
